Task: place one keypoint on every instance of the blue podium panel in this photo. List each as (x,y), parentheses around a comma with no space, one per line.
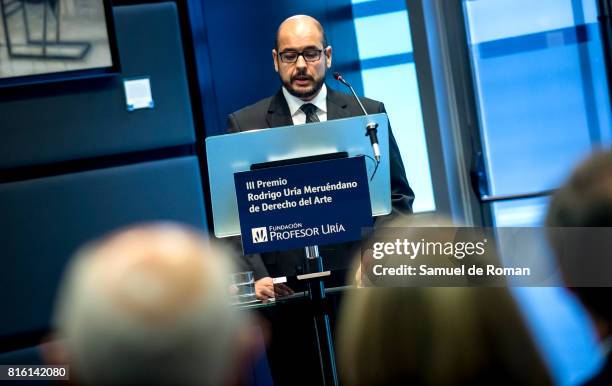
(231,153)
(44,220)
(314,203)
(88,118)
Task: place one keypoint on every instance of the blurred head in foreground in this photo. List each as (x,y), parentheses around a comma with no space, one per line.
(585,201)
(150,306)
(435,336)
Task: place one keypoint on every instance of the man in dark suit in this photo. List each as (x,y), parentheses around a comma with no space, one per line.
(301,59)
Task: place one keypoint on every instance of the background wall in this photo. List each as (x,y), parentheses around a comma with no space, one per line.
(234,41)
(45,219)
(75,164)
(87,118)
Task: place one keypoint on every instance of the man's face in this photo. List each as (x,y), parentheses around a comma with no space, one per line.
(302,78)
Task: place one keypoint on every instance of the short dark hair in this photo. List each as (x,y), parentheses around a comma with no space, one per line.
(585,200)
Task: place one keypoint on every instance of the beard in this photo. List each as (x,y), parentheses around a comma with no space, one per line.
(304,94)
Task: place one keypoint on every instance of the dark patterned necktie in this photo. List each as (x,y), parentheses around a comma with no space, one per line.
(311,112)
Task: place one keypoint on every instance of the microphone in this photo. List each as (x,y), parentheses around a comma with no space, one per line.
(371,127)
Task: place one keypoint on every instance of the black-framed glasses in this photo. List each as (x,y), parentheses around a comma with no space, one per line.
(309,55)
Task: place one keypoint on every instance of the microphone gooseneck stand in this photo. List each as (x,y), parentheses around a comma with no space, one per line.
(371,127)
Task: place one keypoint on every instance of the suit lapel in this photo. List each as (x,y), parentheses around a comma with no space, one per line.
(278,111)
(336,105)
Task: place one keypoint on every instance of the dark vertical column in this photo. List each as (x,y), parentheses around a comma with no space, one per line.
(604,15)
(582,39)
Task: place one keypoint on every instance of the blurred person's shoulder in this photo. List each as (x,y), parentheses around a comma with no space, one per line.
(604,376)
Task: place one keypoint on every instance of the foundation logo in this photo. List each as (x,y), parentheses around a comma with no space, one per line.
(260,235)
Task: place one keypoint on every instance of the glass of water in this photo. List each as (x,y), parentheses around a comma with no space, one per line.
(243,287)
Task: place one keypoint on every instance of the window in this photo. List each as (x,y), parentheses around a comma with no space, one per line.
(543,103)
(389,75)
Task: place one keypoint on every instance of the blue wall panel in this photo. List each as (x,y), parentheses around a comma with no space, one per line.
(87,118)
(44,220)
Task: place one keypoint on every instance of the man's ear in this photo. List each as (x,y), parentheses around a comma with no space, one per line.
(328,55)
(275,59)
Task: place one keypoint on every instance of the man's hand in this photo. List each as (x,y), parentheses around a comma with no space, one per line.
(282,290)
(265,289)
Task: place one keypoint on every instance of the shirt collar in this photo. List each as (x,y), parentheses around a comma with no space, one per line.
(295,103)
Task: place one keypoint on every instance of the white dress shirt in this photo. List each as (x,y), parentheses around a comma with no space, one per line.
(297,115)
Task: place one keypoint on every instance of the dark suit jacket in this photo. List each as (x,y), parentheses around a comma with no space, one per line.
(274,112)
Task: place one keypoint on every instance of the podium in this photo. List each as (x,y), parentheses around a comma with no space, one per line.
(301,186)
